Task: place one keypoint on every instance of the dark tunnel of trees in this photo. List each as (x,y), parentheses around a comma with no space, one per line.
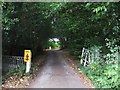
(76,25)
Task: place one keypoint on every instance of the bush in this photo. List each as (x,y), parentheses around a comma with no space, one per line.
(103,75)
(53,44)
(17,72)
(104,72)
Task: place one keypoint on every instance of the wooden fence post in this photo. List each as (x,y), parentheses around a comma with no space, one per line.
(89,56)
(85,60)
(82,55)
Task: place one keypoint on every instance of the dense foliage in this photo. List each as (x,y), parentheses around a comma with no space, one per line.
(77,25)
(92,25)
(25,26)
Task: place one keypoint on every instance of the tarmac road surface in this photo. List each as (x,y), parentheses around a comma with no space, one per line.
(57,73)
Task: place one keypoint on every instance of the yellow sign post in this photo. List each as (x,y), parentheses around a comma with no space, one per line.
(27,56)
(27,59)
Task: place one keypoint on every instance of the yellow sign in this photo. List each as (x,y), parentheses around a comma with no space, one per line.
(27,55)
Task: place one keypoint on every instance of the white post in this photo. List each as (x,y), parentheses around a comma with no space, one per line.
(82,56)
(89,56)
(85,60)
(28,64)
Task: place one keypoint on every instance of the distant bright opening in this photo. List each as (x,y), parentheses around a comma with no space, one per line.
(53,43)
(54,39)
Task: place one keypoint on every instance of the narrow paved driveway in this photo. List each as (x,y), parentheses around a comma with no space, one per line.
(57,73)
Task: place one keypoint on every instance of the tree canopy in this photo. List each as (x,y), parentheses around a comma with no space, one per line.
(25,25)
(77,25)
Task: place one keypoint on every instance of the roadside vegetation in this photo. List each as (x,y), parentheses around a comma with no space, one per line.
(94,26)
(18,78)
(77,25)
